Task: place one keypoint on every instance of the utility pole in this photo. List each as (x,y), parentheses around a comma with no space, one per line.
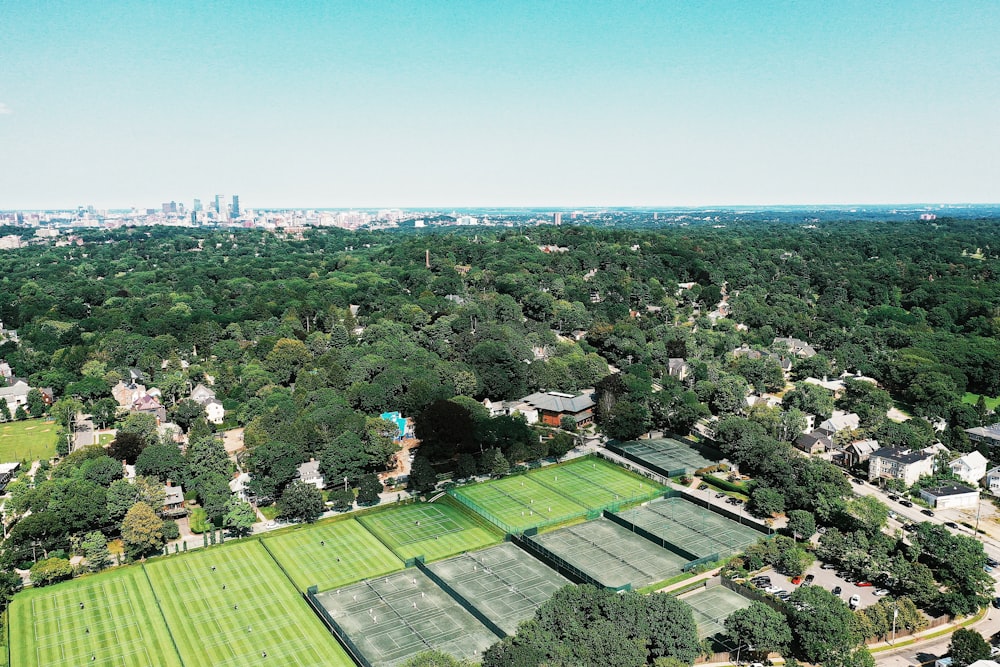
(895,613)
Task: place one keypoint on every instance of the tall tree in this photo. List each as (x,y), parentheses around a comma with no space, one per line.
(142,531)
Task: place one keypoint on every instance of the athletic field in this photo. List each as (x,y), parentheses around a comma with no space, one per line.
(331,554)
(671,456)
(231,606)
(692,527)
(432,530)
(30,440)
(611,554)
(390,619)
(118,624)
(712,606)
(520,502)
(596,483)
(503,582)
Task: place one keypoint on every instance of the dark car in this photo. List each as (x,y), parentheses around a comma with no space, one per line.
(996,602)
(951,524)
(927,512)
(992,562)
(893,497)
(905,503)
(809,579)
(910,527)
(837,590)
(720,494)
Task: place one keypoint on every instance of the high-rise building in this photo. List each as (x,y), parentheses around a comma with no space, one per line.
(236,206)
(197,206)
(220,203)
(170,207)
(557,218)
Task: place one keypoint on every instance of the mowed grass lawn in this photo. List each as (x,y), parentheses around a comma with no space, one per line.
(330,555)
(432,530)
(972,399)
(30,440)
(245,612)
(594,482)
(119,624)
(521,502)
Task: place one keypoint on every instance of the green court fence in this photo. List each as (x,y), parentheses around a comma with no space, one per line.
(460,599)
(559,564)
(334,627)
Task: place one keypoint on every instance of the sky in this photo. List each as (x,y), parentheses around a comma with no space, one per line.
(424,103)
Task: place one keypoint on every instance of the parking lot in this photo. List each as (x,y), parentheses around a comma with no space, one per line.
(829,580)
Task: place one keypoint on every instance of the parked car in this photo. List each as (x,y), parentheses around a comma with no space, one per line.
(720,494)
(905,503)
(809,579)
(864,584)
(854,601)
(987,568)
(996,603)
(783,595)
(951,524)
(797,580)
(837,590)
(927,512)
(893,497)
(829,566)
(702,486)
(910,527)
(772,589)
(892,515)
(992,562)
(879,592)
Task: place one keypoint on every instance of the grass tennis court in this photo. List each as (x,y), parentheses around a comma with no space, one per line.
(392,618)
(670,455)
(30,440)
(593,482)
(611,554)
(433,530)
(119,624)
(503,582)
(520,502)
(332,554)
(692,527)
(231,606)
(711,606)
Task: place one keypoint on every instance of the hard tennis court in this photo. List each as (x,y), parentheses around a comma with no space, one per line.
(670,455)
(692,527)
(391,619)
(712,606)
(503,582)
(611,554)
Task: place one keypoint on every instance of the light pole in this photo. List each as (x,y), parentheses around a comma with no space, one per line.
(895,613)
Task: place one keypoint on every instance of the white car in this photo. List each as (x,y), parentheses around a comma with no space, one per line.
(854,601)
(880,592)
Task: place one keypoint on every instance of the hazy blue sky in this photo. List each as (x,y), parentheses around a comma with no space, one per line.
(424,103)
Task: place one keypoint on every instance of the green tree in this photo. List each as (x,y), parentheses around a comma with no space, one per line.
(162,461)
(239,517)
(186,412)
(342,499)
(466,466)
(765,501)
(627,420)
(142,425)
(423,477)
(760,629)
(824,629)
(126,447)
(272,466)
(10,583)
(65,410)
(810,399)
(801,524)
(369,488)
(36,403)
(95,550)
(494,464)
(102,471)
(301,502)
(50,570)
(432,658)
(142,531)
(968,646)
(104,411)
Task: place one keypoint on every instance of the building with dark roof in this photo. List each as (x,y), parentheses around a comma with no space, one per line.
(900,463)
(950,496)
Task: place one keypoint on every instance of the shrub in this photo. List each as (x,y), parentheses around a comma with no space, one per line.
(199,521)
(170,530)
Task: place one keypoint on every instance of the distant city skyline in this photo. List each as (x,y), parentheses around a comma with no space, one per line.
(443,105)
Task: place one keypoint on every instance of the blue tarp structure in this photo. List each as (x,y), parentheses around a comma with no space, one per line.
(399,420)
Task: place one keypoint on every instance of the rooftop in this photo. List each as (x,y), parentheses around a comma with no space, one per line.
(555,401)
(949,490)
(901,455)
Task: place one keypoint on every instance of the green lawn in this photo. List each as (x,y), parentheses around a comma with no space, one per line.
(520,502)
(972,399)
(432,530)
(119,624)
(243,609)
(30,440)
(595,483)
(330,555)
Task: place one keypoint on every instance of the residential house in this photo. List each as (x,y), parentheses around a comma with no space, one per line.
(7,472)
(678,368)
(970,468)
(15,395)
(813,443)
(839,421)
(151,405)
(858,452)
(900,463)
(173,502)
(308,472)
(127,393)
(950,496)
(8,334)
(835,386)
(215,412)
(799,348)
(239,484)
(554,405)
(993,481)
(6,371)
(201,393)
(985,435)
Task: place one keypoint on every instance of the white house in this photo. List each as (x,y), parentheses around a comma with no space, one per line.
(899,463)
(950,496)
(839,421)
(15,395)
(238,486)
(993,481)
(309,473)
(970,468)
(215,413)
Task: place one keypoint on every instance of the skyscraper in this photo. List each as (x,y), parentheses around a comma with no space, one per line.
(236,206)
(557,218)
(197,206)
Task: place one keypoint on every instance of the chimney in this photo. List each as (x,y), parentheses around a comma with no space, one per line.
(168,483)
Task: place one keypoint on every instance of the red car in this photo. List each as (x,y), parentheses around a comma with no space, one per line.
(798,580)
(864,584)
